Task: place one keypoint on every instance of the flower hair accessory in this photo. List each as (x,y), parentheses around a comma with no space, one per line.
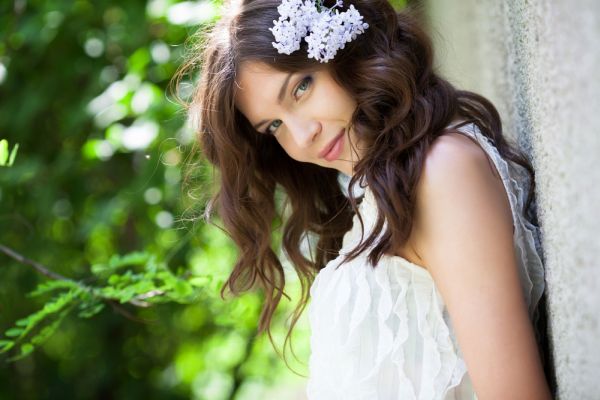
(325,30)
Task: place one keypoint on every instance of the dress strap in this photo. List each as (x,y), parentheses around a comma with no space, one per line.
(527,236)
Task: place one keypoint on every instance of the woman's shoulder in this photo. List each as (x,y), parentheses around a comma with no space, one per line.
(454,152)
(453,146)
(456,176)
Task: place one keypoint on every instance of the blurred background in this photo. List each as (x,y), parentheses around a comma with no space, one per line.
(106,190)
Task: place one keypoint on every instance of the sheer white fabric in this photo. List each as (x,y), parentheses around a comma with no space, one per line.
(384,333)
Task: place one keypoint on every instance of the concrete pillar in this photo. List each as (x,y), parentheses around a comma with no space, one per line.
(539,63)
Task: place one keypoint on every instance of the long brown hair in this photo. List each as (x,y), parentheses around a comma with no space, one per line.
(403,106)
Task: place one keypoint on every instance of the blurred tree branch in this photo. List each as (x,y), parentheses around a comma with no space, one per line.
(39,267)
(117,284)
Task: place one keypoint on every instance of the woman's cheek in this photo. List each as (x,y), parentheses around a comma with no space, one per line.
(290,150)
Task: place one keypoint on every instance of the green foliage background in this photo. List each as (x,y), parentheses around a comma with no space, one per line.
(96,194)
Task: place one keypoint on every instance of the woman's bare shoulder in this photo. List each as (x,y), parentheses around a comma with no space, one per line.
(457,153)
(454,144)
(457,177)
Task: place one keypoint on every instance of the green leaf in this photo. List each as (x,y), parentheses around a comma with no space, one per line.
(50,286)
(3,152)
(136,258)
(126,295)
(138,60)
(56,304)
(99,269)
(152,266)
(183,289)
(91,311)
(59,302)
(13,154)
(117,261)
(40,337)
(6,345)
(12,332)
(26,349)
(200,281)
(143,286)
(109,292)
(114,279)
(46,331)
(23,322)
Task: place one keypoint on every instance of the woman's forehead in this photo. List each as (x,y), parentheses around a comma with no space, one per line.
(250,71)
(255,68)
(260,86)
(257,83)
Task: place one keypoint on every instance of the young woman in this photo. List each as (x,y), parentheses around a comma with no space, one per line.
(424,266)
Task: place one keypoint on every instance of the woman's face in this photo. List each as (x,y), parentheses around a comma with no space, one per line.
(307,112)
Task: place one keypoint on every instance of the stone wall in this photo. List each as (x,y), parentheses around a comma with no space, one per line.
(539,63)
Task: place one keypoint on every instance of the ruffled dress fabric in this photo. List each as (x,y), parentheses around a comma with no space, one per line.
(384,333)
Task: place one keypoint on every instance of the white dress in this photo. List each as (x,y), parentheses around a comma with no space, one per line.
(384,333)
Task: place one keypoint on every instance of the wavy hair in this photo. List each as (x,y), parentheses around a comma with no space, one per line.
(403,105)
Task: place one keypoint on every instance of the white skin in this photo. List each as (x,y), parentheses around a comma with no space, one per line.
(313,111)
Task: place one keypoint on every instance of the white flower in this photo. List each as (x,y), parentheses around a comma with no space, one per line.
(294,21)
(328,30)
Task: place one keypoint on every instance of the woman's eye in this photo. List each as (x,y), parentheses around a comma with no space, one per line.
(304,84)
(269,131)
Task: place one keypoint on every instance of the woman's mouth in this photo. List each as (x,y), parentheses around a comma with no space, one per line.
(334,148)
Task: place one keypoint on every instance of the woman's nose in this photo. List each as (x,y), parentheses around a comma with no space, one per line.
(304,131)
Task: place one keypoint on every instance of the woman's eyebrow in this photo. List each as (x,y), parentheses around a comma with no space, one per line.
(279,97)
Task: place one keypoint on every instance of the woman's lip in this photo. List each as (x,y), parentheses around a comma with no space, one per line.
(331,144)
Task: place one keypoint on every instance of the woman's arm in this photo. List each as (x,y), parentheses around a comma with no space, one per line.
(464,234)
